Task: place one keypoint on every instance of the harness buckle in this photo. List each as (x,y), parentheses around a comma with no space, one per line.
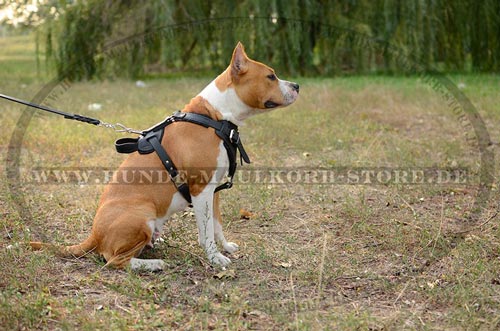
(234,136)
(178,115)
(178,178)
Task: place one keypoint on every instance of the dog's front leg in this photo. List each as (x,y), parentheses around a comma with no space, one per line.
(203,205)
(229,247)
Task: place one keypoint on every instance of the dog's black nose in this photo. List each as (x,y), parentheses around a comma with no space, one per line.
(295,86)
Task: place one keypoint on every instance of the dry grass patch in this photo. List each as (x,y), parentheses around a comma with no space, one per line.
(312,256)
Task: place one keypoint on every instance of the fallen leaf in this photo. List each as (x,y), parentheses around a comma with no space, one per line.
(282,264)
(245,214)
(226,274)
(256,313)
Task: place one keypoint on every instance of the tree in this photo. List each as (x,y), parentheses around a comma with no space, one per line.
(312,37)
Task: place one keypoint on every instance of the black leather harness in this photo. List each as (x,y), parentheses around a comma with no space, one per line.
(150,140)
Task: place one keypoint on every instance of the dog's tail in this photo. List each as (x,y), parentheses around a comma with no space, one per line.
(87,246)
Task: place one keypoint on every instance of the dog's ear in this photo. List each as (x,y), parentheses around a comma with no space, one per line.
(239,61)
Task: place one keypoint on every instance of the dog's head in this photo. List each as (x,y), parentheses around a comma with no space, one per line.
(248,87)
(257,84)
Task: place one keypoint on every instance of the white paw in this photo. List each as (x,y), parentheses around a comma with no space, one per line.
(230,247)
(217,259)
(153,265)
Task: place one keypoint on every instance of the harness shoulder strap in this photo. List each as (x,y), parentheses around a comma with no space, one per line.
(183,188)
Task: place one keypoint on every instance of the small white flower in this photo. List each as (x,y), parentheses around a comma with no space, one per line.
(95,106)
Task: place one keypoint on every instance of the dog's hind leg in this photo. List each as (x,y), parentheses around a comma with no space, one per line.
(129,239)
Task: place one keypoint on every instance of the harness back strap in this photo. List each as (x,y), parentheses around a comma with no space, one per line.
(150,140)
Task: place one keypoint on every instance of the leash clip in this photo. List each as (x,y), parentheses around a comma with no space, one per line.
(118,127)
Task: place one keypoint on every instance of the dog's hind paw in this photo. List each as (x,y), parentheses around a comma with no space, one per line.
(217,259)
(230,247)
(153,265)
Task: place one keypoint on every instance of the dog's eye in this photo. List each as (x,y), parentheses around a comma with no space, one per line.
(271,76)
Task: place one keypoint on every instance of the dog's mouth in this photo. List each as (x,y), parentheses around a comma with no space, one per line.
(271,104)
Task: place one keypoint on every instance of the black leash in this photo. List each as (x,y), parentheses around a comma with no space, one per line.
(117,127)
(69,116)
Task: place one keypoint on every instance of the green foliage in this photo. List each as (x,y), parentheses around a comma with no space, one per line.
(313,37)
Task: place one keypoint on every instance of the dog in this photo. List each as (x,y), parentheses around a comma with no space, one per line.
(131,216)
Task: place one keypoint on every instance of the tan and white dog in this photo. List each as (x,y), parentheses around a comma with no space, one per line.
(131,216)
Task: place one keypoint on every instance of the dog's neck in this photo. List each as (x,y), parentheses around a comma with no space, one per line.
(226,102)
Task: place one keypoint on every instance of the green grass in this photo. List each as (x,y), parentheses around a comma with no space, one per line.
(18,62)
(347,257)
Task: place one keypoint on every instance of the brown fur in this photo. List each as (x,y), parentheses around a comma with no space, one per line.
(197,149)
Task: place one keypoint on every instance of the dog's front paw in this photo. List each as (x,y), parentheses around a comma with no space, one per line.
(230,247)
(217,259)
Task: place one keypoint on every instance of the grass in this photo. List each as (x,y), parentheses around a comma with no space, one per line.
(349,257)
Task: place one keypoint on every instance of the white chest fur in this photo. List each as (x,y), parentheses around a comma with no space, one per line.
(227,103)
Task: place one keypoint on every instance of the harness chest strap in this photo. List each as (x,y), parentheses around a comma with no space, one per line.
(150,140)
